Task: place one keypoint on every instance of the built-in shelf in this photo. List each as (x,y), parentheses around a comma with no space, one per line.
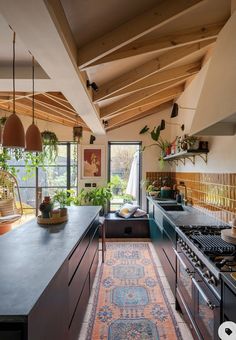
(188,154)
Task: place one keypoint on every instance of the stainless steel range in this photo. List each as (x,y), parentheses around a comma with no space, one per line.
(201,256)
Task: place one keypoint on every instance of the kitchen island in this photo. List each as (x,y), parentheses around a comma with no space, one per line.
(46,275)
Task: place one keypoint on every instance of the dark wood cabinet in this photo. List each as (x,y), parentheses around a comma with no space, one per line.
(59,311)
(163,237)
(131,227)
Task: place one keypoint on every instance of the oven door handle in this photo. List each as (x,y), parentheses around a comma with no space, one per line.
(205,298)
(181,261)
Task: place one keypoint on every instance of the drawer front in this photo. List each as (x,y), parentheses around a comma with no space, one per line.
(77,320)
(77,283)
(77,255)
(127,228)
(93,246)
(93,270)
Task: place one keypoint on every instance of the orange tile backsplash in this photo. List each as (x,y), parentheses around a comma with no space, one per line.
(214,193)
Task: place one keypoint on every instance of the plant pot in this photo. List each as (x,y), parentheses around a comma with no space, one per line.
(63,212)
(4,228)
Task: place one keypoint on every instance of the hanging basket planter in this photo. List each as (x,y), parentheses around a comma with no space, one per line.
(50,143)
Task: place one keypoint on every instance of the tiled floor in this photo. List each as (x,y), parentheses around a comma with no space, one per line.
(186,334)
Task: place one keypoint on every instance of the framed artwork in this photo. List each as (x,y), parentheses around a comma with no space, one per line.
(92,161)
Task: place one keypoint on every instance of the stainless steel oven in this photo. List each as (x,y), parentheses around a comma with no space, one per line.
(200,306)
(185,274)
(206,309)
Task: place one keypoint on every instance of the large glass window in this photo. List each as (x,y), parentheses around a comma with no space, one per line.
(124,173)
(62,174)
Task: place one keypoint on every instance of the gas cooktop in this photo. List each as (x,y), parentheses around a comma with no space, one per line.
(208,240)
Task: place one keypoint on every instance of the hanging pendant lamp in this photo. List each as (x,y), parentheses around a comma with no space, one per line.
(33,135)
(13,132)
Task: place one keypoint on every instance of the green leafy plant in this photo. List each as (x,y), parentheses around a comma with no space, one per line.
(50,145)
(95,196)
(63,197)
(155,134)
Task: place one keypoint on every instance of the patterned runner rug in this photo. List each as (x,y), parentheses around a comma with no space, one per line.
(130,302)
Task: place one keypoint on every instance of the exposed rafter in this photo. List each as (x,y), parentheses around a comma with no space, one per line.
(128,118)
(176,39)
(161,77)
(134,29)
(153,66)
(134,112)
(136,99)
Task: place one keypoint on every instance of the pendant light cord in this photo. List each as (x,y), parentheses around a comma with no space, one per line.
(13,72)
(33,88)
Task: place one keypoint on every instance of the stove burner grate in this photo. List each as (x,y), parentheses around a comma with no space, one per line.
(213,244)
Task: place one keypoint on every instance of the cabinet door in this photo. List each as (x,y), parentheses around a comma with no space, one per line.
(49,317)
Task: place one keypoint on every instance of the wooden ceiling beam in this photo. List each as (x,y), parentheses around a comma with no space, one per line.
(158,64)
(141,25)
(155,110)
(163,43)
(54,105)
(129,117)
(138,97)
(172,94)
(63,104)
(41,109)
(26,111)
(161,77)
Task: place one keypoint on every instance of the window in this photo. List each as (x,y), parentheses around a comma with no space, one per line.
(124,173)
(45,181)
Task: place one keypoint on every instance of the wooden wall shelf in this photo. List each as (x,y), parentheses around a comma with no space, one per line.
(188,154)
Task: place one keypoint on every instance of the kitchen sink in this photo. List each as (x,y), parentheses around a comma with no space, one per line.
(172,207)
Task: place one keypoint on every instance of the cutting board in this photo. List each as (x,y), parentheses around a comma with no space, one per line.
(229,235)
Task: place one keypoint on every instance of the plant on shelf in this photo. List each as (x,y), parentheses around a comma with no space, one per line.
(155,134)
(189,142)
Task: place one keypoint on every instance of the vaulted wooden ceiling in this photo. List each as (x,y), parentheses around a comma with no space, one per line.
(140,54)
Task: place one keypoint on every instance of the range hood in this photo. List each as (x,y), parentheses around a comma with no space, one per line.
(216,110)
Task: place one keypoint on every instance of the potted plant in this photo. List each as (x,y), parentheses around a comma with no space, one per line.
(50,143)
(190,143)
(64,198)
(95,196)
(164,145)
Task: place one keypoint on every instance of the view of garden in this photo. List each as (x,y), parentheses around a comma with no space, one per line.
(124,174)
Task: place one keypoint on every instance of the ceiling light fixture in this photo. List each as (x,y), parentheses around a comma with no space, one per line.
(13,132)
(175,110)
(163,125)
(93,85)
(105,123)
(33,135)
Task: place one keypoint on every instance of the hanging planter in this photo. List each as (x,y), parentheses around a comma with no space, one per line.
(50,144)
(77,133)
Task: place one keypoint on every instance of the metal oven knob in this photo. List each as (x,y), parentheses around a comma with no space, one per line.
(212,280)
(207,274)
(198,264)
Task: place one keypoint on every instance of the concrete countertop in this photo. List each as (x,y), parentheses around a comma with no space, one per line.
(190,215)
(31,255)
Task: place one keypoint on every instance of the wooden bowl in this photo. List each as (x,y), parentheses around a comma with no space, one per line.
(52,220)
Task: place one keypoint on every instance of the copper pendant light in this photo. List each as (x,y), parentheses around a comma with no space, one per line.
(13,132)
(33,135)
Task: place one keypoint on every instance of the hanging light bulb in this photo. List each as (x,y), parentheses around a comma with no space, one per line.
(13,132)
(33,135)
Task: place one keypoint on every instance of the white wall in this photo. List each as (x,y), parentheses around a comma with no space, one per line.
(221,157)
